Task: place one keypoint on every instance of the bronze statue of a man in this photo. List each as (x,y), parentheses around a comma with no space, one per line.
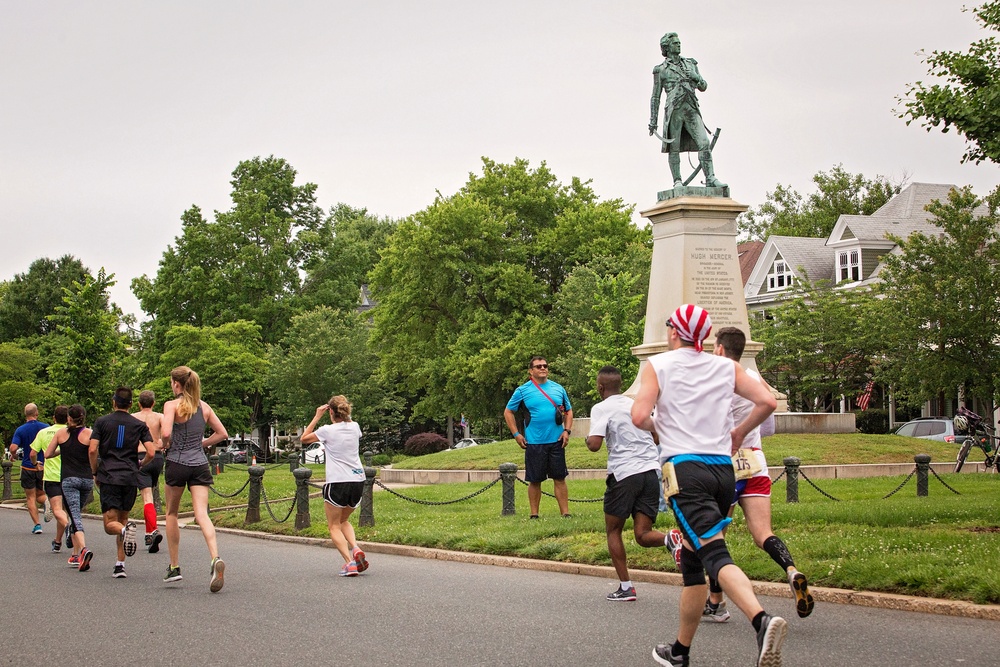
(683,128)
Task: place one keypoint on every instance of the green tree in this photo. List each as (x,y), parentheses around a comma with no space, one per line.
(325,352)
(942,328)
(786,213)
(969,98)
(19,385)
(85,369)
(31,297)
(818,347)
(466,287)
(231,362)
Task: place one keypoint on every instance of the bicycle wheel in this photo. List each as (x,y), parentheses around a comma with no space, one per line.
(963,453)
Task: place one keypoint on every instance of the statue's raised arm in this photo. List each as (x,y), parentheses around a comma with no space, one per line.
(675,81)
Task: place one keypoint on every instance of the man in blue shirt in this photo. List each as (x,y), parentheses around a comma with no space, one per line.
(546,432)
(31,474)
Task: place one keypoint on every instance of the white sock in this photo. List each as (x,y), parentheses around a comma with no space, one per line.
(626,585)
(120,562)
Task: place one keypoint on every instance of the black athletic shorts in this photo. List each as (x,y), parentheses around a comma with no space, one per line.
(181,475)
(149,476)
(706,494)
(53,489)
(343,494)
(32,479)
(636,493)
(117,497)
(542,461)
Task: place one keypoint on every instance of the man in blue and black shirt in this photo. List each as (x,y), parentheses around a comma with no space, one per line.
(546,432)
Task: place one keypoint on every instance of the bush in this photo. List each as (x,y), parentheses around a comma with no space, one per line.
(380,460)
(872,421)
(425,443)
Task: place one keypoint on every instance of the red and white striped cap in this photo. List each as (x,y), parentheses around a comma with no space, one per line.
(692,324)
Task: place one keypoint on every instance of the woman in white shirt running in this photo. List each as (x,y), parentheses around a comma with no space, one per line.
(345,478)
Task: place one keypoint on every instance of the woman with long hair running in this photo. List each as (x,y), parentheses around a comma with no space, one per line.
(185,444)
(345,478)
(72,444)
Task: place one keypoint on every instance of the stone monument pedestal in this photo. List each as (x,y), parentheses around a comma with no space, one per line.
(695,261)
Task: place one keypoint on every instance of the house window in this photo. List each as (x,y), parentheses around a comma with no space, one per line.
(780,276)
(849,266)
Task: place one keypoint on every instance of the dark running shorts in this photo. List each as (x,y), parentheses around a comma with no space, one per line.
(53,489)
(542,461)
(149,476)
(706,494)
(636,493)
(32,479)
(117,497)
(181,475)
(343,494)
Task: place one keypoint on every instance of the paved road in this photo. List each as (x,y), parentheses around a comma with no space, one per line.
(283,603)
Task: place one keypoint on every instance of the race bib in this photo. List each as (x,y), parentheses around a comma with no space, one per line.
(746,464)
(670,487)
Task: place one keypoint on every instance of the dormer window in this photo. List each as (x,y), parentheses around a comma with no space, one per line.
(849,266)
(780,276)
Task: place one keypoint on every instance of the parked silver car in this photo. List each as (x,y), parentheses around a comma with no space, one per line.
(929,428)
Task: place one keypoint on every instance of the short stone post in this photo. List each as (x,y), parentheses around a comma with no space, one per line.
(253,501)
(223,460)
(923,465)
(508,473)
(792,464)
(293,462)
(302,476)
(213,463)
(8,493)
(367,517)
(368,454)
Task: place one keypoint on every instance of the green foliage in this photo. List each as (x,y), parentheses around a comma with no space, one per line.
(872,420)
(229,359)
(326,352)
(942,328)
(467,286)
(31,297)
(85,369)
(425,443)
(815,345)
(19,385)
(786,213)
(969,97)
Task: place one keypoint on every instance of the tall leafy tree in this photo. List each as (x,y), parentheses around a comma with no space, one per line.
(838,192)
(32,296)
(85,369)
(968,97)
(466,287)
(818,347)
(20,369)
(325,352)
(943,325)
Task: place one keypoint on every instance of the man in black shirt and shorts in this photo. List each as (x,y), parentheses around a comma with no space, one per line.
(116,438)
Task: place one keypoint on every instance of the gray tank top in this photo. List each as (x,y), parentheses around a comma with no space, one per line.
(185,441)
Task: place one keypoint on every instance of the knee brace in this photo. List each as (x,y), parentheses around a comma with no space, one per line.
(715,556)
(692,571)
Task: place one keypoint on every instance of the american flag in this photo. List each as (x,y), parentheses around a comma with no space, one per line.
(866,396)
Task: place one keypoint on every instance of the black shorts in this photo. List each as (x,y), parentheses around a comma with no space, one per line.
(636,493)
(706,493)
(343,494)
(178,474)
(149,476)
(53,489)
(32,479)
(542,461)
(117,497)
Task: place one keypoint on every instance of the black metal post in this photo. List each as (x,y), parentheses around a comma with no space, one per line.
(508,473)
(302,476)
(253,501)
(923,466)
(792,464)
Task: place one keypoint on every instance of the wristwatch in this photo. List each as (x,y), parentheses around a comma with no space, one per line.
(568,431)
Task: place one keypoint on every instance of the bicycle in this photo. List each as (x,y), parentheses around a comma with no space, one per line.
(980,435)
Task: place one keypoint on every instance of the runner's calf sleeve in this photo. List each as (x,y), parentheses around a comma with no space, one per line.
(692,571)
(778,552)
(149,514)
(715,556)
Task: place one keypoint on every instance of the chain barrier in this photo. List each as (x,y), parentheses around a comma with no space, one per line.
(775,480)
(805,477)
(901,485)
(572,500)
(230,495)
(944,482)
(438,502)
(267,504)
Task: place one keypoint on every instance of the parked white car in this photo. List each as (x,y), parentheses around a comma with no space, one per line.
(314,453)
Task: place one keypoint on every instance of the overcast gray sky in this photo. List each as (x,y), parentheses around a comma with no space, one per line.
(118,116)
